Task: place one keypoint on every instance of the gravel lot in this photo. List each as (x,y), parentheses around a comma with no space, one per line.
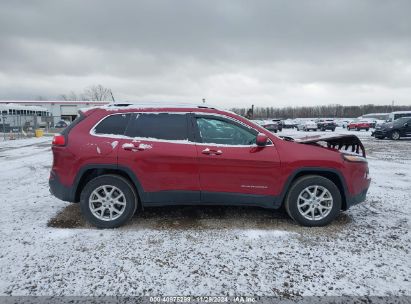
(47,248)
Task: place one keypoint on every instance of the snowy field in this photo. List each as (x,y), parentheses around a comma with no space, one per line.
(47,249)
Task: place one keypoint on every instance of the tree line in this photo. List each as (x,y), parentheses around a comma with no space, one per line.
(337,111)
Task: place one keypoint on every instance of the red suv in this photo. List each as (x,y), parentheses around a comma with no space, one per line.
(359,125)
(117,159)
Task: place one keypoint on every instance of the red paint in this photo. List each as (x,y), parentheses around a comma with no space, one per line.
(360,125)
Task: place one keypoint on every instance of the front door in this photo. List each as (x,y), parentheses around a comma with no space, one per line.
(159,153)
(232,168)
(408,127)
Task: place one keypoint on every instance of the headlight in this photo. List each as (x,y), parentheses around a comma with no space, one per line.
(354,158)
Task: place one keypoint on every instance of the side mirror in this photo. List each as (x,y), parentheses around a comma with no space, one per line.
(261,140)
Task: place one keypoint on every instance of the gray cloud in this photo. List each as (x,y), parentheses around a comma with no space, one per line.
(232,52)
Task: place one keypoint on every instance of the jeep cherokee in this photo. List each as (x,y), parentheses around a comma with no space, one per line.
(117,159)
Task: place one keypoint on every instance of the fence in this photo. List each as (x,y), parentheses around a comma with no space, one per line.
(24,126)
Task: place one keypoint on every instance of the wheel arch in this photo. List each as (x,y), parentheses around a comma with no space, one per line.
(332,174)
(88,172)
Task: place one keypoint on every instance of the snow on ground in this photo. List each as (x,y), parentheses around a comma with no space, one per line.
(203,250)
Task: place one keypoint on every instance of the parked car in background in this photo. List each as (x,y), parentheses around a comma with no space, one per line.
(308,125)
(371,121)
(326,124)
(279,123)
(343,123)
(290,124)
(359,125)
(271,125)
(61,124)
(124,158)
(400,127)
(398,114)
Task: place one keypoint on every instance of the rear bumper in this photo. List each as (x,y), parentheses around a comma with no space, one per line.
(59,190)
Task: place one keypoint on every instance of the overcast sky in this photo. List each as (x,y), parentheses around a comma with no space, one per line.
(233,53)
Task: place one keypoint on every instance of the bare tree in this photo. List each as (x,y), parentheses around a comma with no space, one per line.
(71,96)
(98,93)
(93,93)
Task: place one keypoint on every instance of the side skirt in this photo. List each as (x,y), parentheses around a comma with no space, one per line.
(168,198)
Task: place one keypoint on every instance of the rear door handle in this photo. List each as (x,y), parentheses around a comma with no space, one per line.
(209,151)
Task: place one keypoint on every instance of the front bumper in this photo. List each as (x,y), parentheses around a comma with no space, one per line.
(356,199)
(379,133)
(59,190)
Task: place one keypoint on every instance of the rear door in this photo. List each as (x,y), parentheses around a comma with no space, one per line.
(232,168)
(157,149)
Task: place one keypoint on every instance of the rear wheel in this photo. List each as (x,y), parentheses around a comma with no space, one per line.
(366,129)
(313,201)
(348,128)
(395,135)
(108,201)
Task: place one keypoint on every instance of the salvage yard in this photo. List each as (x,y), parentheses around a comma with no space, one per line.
(48,249)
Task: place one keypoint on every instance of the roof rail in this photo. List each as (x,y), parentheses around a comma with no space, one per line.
(159,105)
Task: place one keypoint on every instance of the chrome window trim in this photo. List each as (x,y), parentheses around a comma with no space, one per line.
(187,142)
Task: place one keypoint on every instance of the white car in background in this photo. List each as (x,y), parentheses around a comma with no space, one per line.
(307,126)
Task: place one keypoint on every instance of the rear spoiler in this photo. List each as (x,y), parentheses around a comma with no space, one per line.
(344,143)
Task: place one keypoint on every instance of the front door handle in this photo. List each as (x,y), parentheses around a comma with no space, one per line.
(209,151)
(133,147)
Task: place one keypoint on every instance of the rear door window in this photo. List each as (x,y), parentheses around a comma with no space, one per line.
(165,126)
(113,124)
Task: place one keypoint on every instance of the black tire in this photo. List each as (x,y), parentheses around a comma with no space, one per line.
(395,135)
(367,129)
(348,128)
(130,195)
(302,183)
(333,130)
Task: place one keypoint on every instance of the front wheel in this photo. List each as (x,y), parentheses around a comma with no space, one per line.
(313,201)
(395,135)
(108,201)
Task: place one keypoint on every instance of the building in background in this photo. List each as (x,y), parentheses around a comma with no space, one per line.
(60,110)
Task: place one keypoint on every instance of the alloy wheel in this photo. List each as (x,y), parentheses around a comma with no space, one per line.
(107,203)
(315,202)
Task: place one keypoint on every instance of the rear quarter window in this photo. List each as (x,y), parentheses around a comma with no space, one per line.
(113,124)
(166,126)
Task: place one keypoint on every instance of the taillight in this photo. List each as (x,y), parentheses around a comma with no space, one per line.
(59,140)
